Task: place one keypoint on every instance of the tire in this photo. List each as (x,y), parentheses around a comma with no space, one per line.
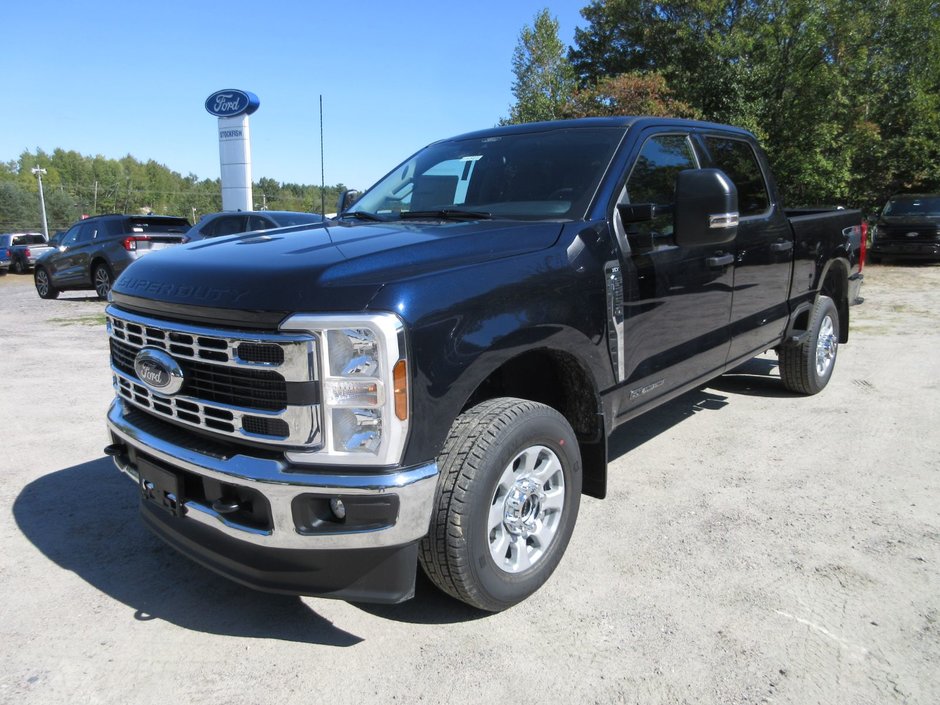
(18,267)
(874,259)
(806,368)
(506,503)
(44,284)
(102,279)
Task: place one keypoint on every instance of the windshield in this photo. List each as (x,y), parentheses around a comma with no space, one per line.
(537,176)
(922,205)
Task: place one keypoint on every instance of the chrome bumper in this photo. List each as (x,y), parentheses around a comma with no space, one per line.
(281,483)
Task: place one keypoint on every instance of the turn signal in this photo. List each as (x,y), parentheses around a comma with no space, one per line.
(400,385)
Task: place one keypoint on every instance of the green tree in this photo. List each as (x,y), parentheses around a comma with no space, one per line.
(844,94)
(544,81)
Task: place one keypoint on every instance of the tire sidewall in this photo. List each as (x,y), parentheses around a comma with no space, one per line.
(94,279)
(50,290)
(544,427)
(825,306)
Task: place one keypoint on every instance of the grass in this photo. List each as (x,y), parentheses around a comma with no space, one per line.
(92,319)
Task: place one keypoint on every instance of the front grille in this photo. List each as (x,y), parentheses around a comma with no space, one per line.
(256,389)
(235,383)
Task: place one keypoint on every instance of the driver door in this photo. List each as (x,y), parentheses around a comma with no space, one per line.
(676,299)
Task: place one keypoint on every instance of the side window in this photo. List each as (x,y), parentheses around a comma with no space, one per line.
(653,180)
(737,159)
(653,177)
(256,222)
(87,232)
(227,225)
(71,237)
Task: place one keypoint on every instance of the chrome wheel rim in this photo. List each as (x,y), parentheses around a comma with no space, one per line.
(42,283)
(102,282)
(826,346)
(526,509)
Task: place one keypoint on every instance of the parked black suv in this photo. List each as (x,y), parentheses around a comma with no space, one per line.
(908,227)
(235,223)
(95,251)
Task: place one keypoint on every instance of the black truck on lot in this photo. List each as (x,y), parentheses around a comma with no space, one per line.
(432,376)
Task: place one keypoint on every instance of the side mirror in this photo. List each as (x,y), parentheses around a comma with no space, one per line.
(706,211)
(346,199)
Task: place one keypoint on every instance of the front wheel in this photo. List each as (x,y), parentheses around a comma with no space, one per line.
(102,279)
(44,284)
(806,368)
(506,503)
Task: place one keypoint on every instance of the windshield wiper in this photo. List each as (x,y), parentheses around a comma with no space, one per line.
(362,215)
(447,214)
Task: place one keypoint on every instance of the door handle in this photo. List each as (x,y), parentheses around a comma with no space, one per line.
(784,246)
(720,261)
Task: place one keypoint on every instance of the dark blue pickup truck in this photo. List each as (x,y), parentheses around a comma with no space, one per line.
(431,378)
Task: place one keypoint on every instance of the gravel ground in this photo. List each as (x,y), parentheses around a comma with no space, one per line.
(755,547)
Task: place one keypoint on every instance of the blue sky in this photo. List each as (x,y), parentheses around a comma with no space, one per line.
(118,78)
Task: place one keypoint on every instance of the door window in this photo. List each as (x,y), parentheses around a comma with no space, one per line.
(653,180)
(737,159)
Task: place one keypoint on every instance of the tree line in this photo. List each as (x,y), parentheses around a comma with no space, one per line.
(75,186)
(844,95)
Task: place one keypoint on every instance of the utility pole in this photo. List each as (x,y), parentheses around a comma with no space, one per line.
(42,200)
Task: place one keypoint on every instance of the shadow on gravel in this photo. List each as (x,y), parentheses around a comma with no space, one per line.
(84,519)
(757,378)
(635,433)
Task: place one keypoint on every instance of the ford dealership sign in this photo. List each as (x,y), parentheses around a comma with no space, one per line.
(232,102)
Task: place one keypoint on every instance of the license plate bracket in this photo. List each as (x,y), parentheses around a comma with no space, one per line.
(161,487)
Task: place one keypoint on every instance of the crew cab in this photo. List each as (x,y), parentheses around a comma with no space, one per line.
(21,250)
(431,378)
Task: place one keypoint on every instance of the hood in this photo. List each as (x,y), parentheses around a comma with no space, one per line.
(338,267)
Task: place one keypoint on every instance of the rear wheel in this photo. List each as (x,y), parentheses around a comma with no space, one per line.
(44,284)
(18,266)
(102,280)
(506,503)
(806,368)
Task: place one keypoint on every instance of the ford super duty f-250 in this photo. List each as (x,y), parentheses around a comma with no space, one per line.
(432,376)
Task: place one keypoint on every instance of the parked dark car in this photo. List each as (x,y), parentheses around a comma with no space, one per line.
(233,223)
(908,227)
(95,251)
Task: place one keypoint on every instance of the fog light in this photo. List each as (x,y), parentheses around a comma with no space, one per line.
(338,508)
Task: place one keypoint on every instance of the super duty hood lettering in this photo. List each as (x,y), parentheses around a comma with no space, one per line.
(196,292)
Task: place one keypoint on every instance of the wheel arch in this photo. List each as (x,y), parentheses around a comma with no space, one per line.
(558,379)
(834,283)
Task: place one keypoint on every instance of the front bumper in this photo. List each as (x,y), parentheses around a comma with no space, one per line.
(912,250)
(286,540)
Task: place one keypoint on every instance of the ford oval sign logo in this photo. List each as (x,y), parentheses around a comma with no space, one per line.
(232,102)
(158,371)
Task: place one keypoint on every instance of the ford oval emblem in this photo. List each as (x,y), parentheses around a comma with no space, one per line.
(158,371)
(232,102)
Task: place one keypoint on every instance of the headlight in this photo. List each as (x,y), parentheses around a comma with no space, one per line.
(364,388)
(874,233)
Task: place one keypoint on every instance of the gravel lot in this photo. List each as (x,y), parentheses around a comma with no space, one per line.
(755,547)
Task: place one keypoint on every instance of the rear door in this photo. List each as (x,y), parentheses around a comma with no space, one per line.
(764,247)
(676,300)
